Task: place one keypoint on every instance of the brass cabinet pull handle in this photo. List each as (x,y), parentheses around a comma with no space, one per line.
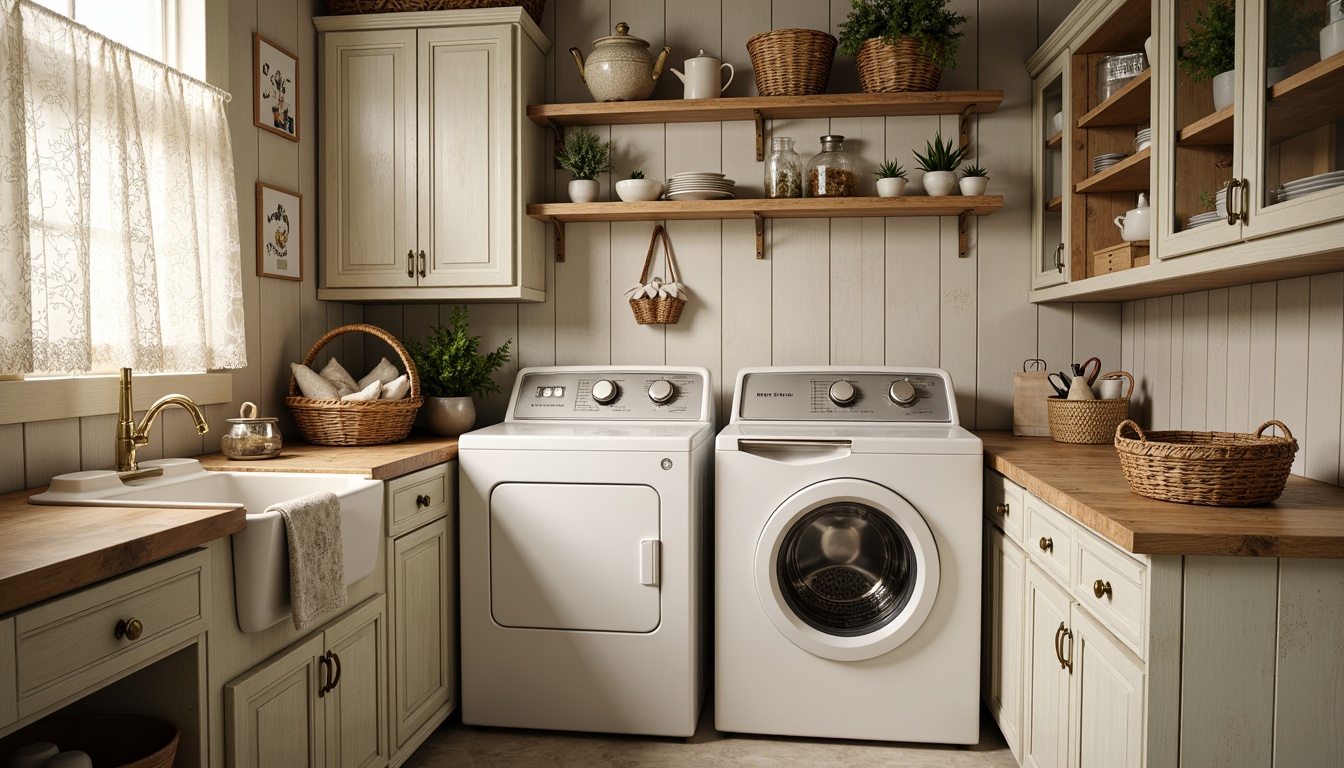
(1047,543)
(1101,588)
(422,270)
(1245,211)
(1059,648)
(410,264)
(131,630)
(422,501)
(324,675)
(1059,258)
(1066,663)
(1002,509)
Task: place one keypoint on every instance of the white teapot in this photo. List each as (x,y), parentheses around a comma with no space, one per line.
(1137,223)
(703,77)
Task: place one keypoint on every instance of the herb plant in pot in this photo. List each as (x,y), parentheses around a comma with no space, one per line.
(451,372)
(1210,51)
(584,155)
(901,45)
(890,179)
(974,181)
(939,163)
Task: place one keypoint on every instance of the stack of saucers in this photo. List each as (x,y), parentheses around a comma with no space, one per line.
(1292,190)
(699,186)
(1143,139)
(1200,219)
(1102,162)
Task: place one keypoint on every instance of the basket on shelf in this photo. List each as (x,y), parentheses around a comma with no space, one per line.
(1220,469)
(791,62)
(340,7)
(356,422)
(887,68)
(1088,422)
(123,741)
(651,310)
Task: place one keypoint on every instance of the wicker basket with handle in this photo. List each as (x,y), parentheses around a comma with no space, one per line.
(658,309)
(791,62)
(888,68)
(124,741)
(1088,422)
(534,8)
(356,422)
(1219,469)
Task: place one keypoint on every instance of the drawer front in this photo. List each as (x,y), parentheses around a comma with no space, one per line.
(1050,539)
(420,497)
(71,642)
(1003,504)
(1113,587)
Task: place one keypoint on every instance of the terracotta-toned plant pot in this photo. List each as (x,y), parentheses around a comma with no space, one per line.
(449,416)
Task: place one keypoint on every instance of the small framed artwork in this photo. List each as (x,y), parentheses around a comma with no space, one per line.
(275,83)
(279,233)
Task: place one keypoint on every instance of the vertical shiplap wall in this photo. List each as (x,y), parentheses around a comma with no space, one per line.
(1232,358)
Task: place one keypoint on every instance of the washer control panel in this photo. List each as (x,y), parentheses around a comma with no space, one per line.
(610,394)
(838,395)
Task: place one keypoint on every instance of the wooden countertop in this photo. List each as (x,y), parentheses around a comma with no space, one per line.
(1085,481)
(379,462)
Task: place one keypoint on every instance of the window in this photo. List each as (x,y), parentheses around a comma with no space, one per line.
(171,31)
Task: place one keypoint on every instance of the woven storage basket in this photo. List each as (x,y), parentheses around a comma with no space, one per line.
(1088,422)
(114,741)
(1218,469)
(650,311)
(887,68)
(339,7)
(356,422)
(791,62)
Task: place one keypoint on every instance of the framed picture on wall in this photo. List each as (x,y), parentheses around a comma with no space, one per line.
(275,83)
(279,233)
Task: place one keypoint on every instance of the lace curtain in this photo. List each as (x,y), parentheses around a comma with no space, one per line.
(118,212)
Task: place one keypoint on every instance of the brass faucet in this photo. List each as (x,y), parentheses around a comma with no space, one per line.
(130,436)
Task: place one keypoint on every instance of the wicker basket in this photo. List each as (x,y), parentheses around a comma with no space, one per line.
(791,62)
(356,422)
(123,741)
(1088,422)
(650,311)
(339,7)
(1219,469)
(887,68)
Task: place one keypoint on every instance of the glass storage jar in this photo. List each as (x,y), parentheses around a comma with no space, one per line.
(831,172)
(251,437)
(783,170)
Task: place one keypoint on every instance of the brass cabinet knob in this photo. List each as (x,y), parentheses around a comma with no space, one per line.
(131,630)
(1101,588)
(422,501)
(1002,509)
(1047,543)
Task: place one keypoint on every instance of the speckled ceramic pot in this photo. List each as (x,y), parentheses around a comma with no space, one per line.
(620,67)
(450,416)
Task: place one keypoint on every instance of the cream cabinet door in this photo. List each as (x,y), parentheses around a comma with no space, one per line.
(273,716)
(1045,730)
(422,585)
(356,704)
(369,159)
(1106,725)
(1007,586)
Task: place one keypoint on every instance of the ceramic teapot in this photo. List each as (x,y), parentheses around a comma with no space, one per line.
(703,77)
(1137,223)
(620,67)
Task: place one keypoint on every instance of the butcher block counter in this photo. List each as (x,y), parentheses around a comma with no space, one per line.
(1086,483)
(378,462)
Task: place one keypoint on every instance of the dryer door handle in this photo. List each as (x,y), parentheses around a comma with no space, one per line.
(648,562)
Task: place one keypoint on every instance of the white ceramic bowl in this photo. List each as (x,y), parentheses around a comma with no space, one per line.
(1332,39)
(1059,122)
(636,190)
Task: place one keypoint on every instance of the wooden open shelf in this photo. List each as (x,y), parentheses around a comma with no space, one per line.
(1128,175)
(1123,32)
(1055,204)
(1055,141)
(1129,106)
(1308,100)
(1211,130)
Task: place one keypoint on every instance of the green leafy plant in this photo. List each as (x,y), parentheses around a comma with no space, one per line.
(584,154)
(927,21)
(1211,47)
(636,174)
(941,157)
(1292,30)
(890,169)
(972,171)
(1207,202)
(449,365)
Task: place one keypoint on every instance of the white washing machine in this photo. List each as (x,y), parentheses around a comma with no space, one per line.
(582,552)
(847,557)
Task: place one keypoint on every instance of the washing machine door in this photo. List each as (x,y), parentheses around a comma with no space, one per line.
(847,569)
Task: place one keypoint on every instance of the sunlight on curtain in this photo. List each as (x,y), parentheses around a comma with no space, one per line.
(118,213)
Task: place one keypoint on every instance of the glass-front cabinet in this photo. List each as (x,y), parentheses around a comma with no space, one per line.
(1050,108)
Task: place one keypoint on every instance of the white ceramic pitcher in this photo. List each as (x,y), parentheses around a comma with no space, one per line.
(703,77)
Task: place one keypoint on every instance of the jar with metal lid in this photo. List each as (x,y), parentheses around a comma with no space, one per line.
(783,170)
(831,172)
(251,437)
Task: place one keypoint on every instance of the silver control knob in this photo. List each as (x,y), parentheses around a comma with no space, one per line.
(903,393)
(662,392)
(605,392)
(842,392)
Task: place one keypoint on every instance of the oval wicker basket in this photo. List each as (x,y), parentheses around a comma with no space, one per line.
(123,741)
(791,62)
(1088,422)
(1219,469)
(887,68)
(534,8)
(356,422)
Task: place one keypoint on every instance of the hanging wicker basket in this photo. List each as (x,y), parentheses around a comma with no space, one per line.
(658,309)
(356,422)
(791,62)
(1220,469)
(341,7)
(887,68)
(1088,422)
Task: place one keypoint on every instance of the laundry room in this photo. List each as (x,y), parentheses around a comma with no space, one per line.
(664,404)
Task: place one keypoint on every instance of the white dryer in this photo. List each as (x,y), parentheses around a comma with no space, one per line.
(582,552)
(847,557)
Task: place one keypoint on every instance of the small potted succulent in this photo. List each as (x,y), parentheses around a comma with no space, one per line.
(939,163)
(974,180)
(1210,50)
(901,45)
(637,188)
(584,155)
(451,372)
(890,179)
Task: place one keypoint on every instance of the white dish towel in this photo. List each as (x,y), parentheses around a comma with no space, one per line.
(316,560)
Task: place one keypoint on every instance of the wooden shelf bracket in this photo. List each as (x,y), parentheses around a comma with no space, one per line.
(559,138)
(760,134)
(559,239)
(760,235)
(964,125)
(963,232)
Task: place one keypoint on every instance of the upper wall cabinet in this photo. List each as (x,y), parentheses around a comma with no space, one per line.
(427,158)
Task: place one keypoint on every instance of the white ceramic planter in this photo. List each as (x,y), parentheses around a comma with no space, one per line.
(973,186)
(1332,35)
(583,190)
(635,190)
(939,183)
(449,416)
(1224,88)
(891,187)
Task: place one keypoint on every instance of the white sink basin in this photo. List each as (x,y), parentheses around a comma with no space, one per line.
(260,550)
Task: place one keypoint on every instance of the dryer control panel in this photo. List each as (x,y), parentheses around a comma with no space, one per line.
(843,395)
(611,394)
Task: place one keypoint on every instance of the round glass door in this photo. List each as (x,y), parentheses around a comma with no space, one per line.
(847,569)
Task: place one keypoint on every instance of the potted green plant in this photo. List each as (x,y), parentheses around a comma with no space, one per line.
(1210,50)
(890,179)
(939,163)
(584,154)
(637,188)
(1293,30)
(901,45)
(974,180)
(451,372)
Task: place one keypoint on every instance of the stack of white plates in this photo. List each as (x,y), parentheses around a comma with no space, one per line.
(1292,190)
(1143,139)
(1102,162)
(1220,201)
(1200,219)
(699,186)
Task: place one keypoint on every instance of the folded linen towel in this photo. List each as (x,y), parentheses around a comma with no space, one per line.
(311,384)
(334,372)
(383,372)
(396,389)
(316,560)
